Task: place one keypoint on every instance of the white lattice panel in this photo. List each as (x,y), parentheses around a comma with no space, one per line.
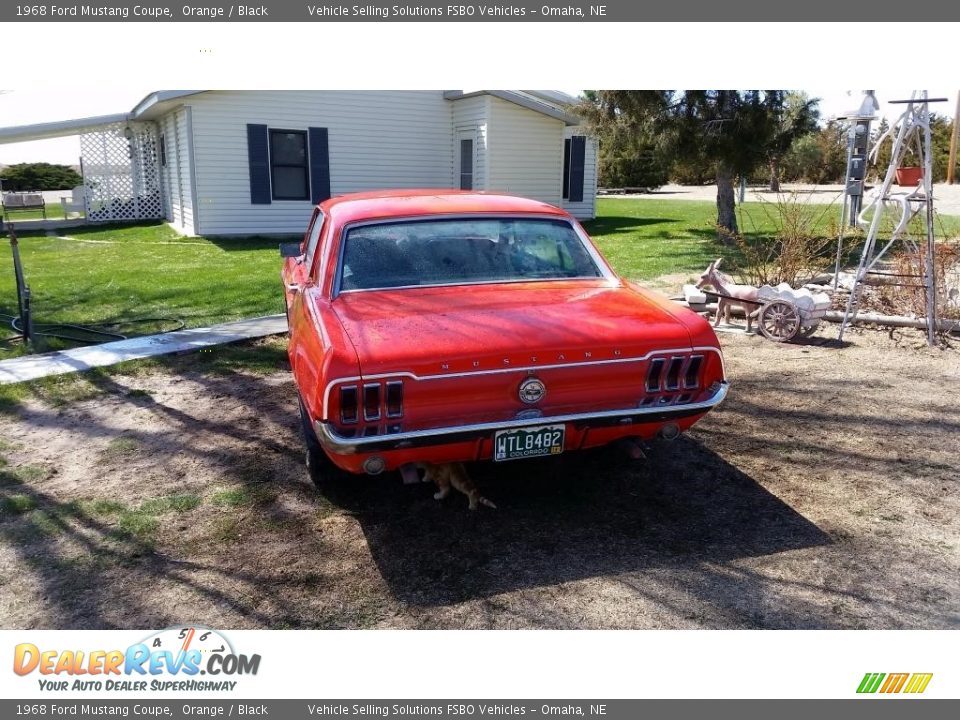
(121,173)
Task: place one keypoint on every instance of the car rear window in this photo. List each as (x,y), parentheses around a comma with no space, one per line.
(445,252)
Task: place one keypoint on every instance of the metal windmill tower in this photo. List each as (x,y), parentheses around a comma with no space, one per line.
(911,132)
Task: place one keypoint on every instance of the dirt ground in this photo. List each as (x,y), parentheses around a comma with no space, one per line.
(823,494)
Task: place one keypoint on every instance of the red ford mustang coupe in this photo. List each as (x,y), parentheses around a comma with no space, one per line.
(435,326)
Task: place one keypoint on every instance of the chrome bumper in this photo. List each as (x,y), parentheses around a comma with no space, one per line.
(338,444)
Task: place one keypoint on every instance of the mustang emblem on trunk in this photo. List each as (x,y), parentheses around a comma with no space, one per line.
(532,390)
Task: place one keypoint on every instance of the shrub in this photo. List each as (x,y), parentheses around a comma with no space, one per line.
(39,176)
(801,246)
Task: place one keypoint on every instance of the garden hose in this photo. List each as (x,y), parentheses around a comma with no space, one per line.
(96,333)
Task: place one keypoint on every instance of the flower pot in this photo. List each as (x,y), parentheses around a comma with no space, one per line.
(909,176)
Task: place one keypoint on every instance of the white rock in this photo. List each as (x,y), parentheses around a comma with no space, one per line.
(694,295)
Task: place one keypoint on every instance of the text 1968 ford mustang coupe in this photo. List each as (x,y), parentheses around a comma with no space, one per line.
(444,326)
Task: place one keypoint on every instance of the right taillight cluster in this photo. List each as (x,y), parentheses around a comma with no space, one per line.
(669,375)
(371,402)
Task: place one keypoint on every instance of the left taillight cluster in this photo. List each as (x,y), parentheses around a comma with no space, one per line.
(371,402)
(673,379)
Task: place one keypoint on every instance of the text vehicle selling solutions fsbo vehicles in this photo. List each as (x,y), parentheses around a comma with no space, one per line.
(447,326)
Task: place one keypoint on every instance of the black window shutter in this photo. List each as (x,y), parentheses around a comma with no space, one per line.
(578,154)
(259,164)
(319,164)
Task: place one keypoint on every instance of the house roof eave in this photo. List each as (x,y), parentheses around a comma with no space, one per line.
(60,128)
(518,98)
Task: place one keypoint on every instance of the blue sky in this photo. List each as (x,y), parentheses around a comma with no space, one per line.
(22,107)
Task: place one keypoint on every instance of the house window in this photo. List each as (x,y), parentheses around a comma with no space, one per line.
(566,169)
(289,169)
(163,151)
(466,164)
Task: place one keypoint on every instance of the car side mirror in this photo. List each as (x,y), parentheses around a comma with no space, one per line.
(290,249)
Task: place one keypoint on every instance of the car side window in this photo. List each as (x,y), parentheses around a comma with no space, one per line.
(313,240)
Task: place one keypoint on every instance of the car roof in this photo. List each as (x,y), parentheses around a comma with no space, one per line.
(412,203)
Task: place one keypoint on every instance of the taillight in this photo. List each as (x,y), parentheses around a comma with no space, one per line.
(653,374)
(348,404)
(371,401)
(673,373)
(375,400)
(395,399)
(691,378)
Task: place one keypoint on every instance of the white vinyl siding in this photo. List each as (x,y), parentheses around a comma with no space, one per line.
(378,139)
(587,209)
(470,115)
(524,152)
(177,177)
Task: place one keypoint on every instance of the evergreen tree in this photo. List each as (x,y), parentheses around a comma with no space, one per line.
(730,132)
(39,176)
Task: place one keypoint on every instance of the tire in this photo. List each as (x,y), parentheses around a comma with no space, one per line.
(320,468)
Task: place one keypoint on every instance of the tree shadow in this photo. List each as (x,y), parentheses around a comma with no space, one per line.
(230,243)
(615,223)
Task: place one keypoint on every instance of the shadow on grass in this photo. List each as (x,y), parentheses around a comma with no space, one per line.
(615,224)
(99,228)
(253,242)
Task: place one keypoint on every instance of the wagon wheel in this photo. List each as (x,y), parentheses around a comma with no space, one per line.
(808,330)
(779,320)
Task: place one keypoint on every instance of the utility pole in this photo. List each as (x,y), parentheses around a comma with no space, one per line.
(952,163)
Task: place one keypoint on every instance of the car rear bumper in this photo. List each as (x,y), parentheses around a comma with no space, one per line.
(338,444)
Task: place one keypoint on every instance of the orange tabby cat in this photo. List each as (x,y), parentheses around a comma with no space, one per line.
(454,475)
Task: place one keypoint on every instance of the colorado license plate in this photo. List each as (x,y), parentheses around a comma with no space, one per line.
(528,442)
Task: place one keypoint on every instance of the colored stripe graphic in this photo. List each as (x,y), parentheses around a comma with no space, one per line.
(918,683)
(895,683)
(870,682)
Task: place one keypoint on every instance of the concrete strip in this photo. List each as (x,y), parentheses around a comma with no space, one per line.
(34,367)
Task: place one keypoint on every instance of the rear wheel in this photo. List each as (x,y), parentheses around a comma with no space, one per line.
(320,468)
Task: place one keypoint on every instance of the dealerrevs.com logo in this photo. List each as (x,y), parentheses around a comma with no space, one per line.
(910,683)
(172,659)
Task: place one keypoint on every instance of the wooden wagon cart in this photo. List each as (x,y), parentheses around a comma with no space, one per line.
(783,313)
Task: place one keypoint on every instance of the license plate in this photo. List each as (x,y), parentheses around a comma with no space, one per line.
(528,442)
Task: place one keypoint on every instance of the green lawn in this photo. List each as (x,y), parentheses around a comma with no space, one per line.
(646,238)
(121,275)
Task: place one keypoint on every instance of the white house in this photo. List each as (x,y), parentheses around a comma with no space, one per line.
(241,162)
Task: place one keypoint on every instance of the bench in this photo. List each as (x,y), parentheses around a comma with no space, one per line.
(23,202)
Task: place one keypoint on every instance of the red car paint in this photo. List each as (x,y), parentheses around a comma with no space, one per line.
(462,351)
